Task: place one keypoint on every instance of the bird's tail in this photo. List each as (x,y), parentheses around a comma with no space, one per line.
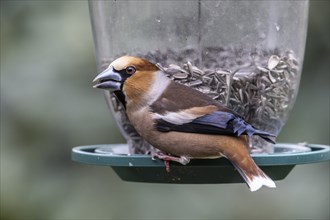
(253,175)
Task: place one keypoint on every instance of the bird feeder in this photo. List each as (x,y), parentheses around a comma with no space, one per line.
(246,55)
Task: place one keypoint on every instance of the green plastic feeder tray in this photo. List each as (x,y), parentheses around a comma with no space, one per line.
(141,168)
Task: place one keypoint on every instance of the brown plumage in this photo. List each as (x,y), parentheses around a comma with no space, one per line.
(182,121)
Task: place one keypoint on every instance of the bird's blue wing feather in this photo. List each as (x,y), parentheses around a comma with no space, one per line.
(218,119)
(217,122)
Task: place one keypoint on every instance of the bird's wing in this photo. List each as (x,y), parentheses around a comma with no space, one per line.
(179,97)
(198,113)
(216,122)
(180,104)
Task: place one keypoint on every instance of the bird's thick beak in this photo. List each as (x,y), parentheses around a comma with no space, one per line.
(109,79)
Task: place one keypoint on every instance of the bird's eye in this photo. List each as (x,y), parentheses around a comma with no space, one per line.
(130,70)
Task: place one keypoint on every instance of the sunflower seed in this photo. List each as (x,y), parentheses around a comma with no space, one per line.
(263,69)
(273,61)
(194,83)
(272,79)
(180,75)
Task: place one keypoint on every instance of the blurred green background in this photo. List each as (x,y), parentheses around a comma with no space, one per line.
(48,106)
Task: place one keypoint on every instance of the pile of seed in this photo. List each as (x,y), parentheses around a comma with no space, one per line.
(259,85)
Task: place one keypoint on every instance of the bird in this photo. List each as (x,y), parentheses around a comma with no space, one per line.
(182,122)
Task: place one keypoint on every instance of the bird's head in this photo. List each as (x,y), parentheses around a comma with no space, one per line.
(114,77)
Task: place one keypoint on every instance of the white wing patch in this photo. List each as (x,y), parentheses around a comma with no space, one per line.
(177,118)
(185,116)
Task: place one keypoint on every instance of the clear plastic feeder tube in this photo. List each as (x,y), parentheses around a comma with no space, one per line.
(245,54)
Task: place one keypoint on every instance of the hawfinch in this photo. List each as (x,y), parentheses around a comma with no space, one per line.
(181,121)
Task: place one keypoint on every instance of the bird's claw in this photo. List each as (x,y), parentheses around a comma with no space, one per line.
(167,158)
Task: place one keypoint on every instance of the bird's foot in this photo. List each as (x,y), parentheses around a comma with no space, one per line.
(167,158)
